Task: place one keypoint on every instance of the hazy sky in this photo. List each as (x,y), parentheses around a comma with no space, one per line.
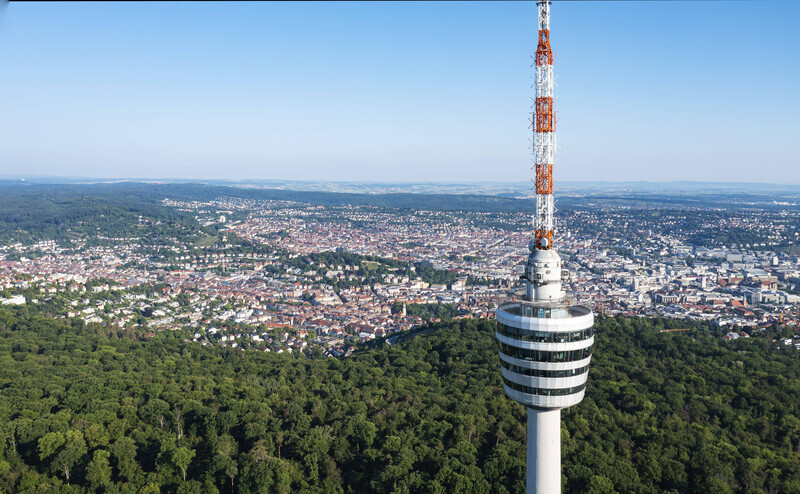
(396,91)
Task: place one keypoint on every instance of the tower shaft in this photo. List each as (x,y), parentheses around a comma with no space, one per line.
(544,132)
(544,452)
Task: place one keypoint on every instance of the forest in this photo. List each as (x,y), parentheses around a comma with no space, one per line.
(86,408)
(428,311)
(68,212)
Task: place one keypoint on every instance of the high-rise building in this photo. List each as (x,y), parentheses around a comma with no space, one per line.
(545,334)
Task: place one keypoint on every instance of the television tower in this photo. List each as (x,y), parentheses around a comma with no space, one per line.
(545,334)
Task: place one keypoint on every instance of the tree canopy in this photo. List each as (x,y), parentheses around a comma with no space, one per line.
(83,410)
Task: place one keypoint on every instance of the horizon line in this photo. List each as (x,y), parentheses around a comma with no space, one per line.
(23,178)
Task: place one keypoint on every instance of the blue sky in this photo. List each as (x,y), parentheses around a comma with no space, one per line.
(396,91)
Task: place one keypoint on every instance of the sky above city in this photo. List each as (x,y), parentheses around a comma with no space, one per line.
(398,91)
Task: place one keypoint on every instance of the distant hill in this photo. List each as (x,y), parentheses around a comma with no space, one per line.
(30,211)
(522,188)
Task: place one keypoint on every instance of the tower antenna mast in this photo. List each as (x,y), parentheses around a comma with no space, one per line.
(544,132)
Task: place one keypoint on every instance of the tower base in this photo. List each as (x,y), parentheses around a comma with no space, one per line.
(544,452)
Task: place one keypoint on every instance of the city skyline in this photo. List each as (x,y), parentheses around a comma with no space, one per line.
(396,92)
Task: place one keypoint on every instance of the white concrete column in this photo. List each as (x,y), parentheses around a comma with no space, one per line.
(544,452)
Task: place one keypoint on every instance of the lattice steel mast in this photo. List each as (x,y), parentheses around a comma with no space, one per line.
(544,135)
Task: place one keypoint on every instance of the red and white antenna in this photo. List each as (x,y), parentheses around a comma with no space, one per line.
(544,132)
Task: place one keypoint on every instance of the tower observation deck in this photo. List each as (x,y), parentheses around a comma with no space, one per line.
(545,350)
(545,335)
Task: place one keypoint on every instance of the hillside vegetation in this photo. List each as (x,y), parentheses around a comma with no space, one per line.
(85,409)
(30,213)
